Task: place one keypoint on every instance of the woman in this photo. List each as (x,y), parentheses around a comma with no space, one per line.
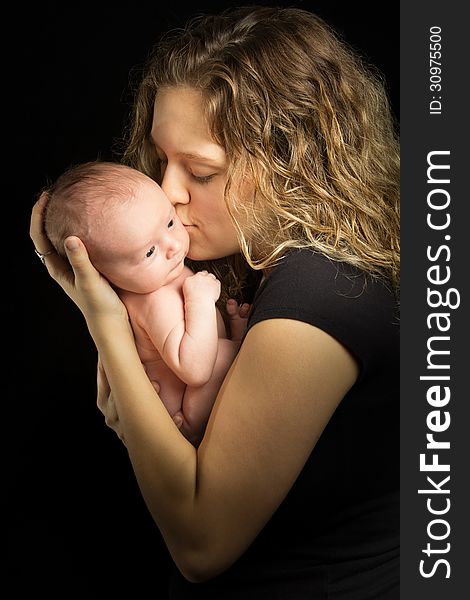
(277,148)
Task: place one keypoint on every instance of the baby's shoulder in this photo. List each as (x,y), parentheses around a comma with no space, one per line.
(136,304)
(166,297)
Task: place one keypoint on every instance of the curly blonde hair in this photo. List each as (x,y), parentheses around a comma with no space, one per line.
(302,116)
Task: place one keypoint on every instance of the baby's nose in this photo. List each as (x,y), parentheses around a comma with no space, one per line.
(173,247)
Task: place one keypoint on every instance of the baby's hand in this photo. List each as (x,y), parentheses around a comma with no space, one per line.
(238,319)
(201,286)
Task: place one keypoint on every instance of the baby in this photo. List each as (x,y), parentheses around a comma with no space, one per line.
(136,240)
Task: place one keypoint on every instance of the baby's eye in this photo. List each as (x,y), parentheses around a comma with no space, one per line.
(150,252)
(170,224)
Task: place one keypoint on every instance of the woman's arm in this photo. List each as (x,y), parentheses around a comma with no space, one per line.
(210,504)
(280,392)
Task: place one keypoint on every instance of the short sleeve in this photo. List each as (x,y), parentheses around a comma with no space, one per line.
(351,306)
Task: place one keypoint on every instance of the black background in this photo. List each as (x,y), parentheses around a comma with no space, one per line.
(79,528)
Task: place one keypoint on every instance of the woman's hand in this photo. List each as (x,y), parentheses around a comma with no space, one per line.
(106,404)
(89,290)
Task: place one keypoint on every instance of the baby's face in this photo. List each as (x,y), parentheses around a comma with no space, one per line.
(144,243)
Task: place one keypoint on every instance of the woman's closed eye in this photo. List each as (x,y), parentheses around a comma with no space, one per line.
(163,163)
(202,178)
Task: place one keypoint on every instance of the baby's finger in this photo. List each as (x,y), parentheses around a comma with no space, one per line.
(232,307)
(244,310)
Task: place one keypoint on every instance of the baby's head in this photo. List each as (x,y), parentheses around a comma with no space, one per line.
(127,223)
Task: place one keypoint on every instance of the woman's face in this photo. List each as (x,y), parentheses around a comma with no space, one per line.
(194,173)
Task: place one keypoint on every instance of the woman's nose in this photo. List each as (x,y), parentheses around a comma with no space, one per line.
(173,186)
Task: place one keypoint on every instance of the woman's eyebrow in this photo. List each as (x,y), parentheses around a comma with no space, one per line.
(193,156)
(188,155)
(212,159)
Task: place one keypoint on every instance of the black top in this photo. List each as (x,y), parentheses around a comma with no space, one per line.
(336,535)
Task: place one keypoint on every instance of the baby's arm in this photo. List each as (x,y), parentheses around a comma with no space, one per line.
(188,343)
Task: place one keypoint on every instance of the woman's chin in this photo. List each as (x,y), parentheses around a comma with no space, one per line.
(198,255)
(194,256)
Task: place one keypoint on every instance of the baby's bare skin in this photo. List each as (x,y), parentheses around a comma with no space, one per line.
(174,329)
(136,240)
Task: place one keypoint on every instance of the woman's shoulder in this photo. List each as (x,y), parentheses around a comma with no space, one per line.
(306,276)
(349,304)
